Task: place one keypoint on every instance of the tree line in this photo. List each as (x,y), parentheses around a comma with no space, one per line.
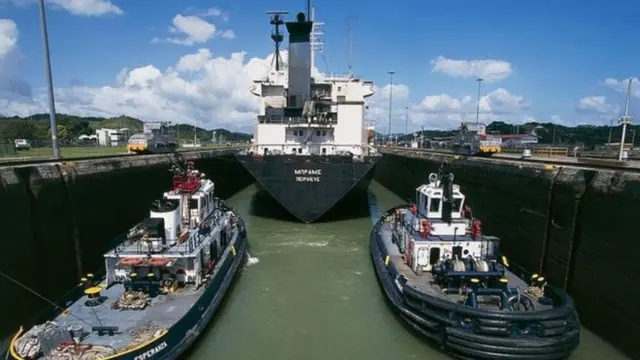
(70,127)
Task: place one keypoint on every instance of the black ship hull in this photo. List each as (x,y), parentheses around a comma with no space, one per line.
(182,335)
(466,333)
(309,186)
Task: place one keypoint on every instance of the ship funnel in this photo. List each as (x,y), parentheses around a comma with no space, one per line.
(299,61)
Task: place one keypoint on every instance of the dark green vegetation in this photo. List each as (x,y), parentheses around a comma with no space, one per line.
(577,226)
(69,127)
(57,220)
(587,135)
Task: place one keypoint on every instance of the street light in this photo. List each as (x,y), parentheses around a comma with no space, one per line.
(47,68)
(624,121)
(390,72)
(406,120)
(479,80)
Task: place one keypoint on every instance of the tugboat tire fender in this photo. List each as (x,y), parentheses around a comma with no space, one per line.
(570,338)
(506,356)
(557,351)
(493,322)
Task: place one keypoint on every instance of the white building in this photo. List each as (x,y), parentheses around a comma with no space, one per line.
(110,137)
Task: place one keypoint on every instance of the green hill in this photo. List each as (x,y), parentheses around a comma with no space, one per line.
(36,127)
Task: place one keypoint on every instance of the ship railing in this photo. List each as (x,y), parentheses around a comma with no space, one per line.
(272,119)
(124,243)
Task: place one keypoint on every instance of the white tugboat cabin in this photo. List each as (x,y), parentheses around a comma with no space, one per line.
(439,226)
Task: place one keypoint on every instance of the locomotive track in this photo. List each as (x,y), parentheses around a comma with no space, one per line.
(580,162)
(27,161)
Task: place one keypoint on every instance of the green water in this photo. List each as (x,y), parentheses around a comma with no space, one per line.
(313,294)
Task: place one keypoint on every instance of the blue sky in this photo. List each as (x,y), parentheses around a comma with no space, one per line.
(186,61)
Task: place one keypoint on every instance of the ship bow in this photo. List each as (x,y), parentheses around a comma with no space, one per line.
(309,186)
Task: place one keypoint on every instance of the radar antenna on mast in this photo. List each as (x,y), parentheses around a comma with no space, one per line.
(276,36)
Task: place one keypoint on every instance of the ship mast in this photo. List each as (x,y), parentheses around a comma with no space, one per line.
(276,36)
(316,43)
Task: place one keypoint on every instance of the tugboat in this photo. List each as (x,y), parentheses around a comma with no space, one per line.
(310,145)
(449,283)
(164,281)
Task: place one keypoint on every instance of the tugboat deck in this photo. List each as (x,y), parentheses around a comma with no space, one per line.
(163,312)
(425,283)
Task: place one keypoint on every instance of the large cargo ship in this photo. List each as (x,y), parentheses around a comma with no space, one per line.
(310,144)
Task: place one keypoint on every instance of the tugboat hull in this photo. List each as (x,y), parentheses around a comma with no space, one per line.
(309,186)
(468,333)
(174,341)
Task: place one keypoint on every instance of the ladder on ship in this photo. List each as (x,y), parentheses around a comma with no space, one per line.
(186,211)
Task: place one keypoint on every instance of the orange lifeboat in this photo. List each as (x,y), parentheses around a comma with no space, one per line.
(131,261)
(157,262)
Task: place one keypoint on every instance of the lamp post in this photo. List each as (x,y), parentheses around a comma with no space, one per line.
(406,120)
(47,67)
(624,121)
(479,80)
(390,72)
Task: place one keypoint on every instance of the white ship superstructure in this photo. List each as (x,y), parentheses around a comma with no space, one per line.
(305,115)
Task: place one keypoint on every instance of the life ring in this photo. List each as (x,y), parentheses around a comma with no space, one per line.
(157,262)
(131,261)
(167,282)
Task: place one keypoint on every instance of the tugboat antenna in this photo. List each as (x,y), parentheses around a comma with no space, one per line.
(276,36)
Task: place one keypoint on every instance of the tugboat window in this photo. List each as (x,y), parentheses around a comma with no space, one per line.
(434,206)
(456,205)
(318,133)
(193,203)
(299,150)
(324,151)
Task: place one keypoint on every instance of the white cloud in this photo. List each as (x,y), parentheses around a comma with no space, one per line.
(597,105)
(190,30)
(8,36)
(214,91)
(77,7)
(228,34)
(11,87)
(212,12)
(622,85)
(443,111)
(196,30)
(88,7)
(489,70)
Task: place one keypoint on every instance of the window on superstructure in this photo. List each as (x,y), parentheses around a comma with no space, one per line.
(339,88)
(324,133)
(434,205)
(457,204)
(324,151)
(317,132)
(193,203)
(299,150)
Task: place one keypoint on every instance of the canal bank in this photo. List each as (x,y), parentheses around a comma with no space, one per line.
(58,219)
(574,226)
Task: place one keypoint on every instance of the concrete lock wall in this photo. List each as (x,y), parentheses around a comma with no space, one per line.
(58,220)
(576,227)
